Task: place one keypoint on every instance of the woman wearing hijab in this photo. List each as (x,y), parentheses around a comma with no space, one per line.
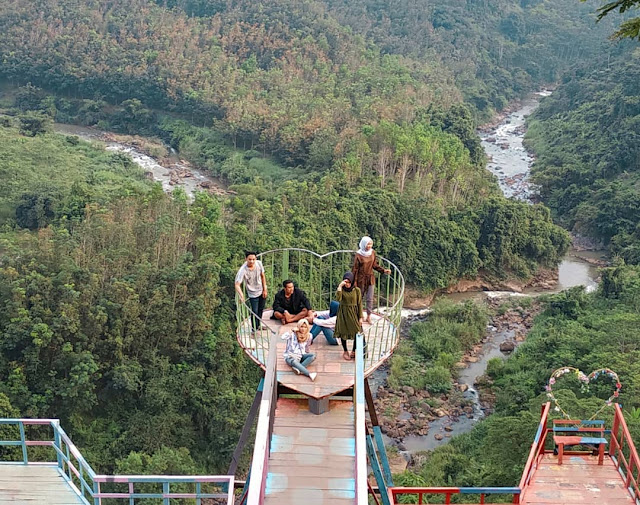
(364,264)
(349,318)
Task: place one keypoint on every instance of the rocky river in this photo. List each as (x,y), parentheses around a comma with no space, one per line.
(166,168)
(423,423)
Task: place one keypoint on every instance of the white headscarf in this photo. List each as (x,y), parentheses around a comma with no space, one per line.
(363,246)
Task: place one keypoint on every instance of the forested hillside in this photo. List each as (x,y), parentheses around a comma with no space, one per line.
(286,77)
(330,119)
(587,139)
(497,50)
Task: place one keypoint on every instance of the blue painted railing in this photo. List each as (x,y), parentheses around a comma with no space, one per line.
(92,488)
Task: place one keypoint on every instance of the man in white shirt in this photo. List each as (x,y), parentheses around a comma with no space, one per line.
(252,274)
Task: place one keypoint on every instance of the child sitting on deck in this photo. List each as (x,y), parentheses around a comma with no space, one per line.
(297,354)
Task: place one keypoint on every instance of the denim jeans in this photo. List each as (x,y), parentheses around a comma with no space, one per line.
(327,332)
(257,306)
(307,359)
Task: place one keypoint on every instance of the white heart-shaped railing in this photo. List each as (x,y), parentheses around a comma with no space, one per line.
(319,275)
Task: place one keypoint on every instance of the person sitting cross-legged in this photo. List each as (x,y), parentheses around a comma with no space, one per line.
(325,322)
(291,305)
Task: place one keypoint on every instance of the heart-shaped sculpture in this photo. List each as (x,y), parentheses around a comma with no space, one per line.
(584,385)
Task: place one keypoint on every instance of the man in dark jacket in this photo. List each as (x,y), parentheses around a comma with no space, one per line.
(291,304)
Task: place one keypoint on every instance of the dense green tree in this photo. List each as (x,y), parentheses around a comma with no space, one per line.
(630,28)
(587,137)
(32,124)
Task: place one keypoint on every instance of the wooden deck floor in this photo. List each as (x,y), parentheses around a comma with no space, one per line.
(312,456)
(34,485)
(334,373)
(579,480)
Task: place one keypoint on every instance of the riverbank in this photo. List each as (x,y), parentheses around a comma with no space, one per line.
(158,160)
(415,420)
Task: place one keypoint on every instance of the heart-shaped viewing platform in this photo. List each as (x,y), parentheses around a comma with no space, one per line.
(318,276)
(334,373)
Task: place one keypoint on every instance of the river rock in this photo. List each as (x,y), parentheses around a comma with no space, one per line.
(439,412)
(409,390)
(463,387)
(507,346)
(438,436)
(448,428)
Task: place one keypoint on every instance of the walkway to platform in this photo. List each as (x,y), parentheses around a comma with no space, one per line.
(579,480)
(312,456)
(34,485)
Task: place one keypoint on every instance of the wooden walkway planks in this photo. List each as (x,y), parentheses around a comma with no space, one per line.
(579,480)
(312,458)
(34,485)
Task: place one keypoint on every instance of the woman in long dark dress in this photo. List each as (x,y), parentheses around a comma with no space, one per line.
(349,318)
(364,263)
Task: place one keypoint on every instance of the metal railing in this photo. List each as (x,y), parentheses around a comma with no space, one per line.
(264,429)
(255,343)
(448,492)
(360,425)
(624,455)
(537,449)
(95,489)
(319,276)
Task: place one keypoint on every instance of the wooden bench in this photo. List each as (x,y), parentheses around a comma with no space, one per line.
(586,433)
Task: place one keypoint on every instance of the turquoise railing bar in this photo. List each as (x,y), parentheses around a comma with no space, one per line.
(90,487)
(360,425)
(262,446)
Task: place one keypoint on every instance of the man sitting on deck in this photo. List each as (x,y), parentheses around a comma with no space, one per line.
(291,305)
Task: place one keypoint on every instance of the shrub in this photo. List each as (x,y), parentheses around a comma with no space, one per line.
(437,379)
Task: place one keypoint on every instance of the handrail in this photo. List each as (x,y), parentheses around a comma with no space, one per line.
(261,337)
(449,491)
(262,446)
(360,425)
(628,469)
(83,480)
(537,448)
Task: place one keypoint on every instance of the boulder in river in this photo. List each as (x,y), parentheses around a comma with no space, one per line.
(507,346)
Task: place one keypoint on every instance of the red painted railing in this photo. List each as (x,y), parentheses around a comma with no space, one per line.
(448,492)
(623,453)
(537,450)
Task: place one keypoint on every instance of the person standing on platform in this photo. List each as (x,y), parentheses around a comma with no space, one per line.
(364,264)
(252,274)
(349,318)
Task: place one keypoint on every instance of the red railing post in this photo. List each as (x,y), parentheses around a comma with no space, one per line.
(614,434)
